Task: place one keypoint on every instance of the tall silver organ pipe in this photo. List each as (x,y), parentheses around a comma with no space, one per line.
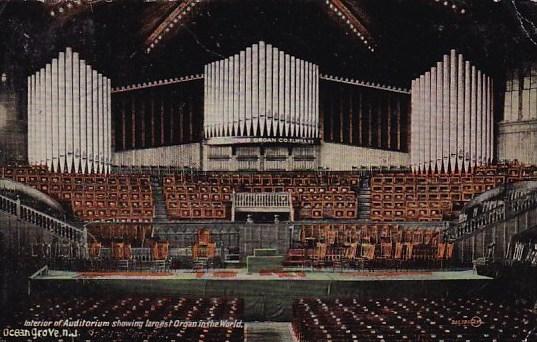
(69,116)
(452,116)
(261,92)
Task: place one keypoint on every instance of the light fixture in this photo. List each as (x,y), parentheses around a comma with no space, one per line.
(4,77)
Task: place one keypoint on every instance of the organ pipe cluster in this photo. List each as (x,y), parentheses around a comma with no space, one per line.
(452,124)
(69,116)
(261,92)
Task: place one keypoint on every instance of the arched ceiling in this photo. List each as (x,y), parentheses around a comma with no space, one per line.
(134,41)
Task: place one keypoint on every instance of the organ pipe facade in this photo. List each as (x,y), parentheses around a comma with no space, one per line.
(69,116)
(261,92)
(452,125)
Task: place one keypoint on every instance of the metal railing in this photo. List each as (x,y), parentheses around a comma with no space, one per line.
(56,227)
(492,212)
(262,200)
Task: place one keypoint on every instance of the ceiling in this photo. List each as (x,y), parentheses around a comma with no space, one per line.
(408,36)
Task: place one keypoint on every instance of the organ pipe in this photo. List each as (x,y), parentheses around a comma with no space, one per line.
(69,116)
(261,92)
(452,117)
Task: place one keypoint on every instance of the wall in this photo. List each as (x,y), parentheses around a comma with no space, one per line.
(12,127)
(516,140)
(178,155)
(344,157)
(518,130)
(366,115)
(245,236)
(161,113)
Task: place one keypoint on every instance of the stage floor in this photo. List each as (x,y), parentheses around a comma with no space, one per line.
(267,296)
(242,275)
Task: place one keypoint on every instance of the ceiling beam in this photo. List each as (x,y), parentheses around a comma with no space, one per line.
(169,23)
(346,17)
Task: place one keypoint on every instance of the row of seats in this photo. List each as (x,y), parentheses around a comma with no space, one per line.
(129,309)
(90,197)
(267,178)
(423,319)
(209,195)
(369,246)
(436,197)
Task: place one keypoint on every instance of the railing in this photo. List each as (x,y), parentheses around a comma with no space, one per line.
(138,253)
(51,224)
(262,200)
(492,212)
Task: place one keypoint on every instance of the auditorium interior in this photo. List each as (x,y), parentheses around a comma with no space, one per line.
(269,170)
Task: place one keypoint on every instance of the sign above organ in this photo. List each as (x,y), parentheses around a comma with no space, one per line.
(261,92)
(262,140)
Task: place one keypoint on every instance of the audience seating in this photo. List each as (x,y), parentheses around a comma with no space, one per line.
(129,308)
(435,197)
(315,195)
(207,196)
(423,319)
(369,246)
(92,197)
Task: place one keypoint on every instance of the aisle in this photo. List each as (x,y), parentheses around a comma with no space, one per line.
(267,332)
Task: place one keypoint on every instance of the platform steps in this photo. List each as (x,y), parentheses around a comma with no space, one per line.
(161,214)
(364,202)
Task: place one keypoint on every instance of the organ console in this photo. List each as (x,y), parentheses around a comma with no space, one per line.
(452,117)
(69,116)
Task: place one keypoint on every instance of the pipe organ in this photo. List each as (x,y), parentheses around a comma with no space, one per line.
(452,117)
(69,116)
(261,92)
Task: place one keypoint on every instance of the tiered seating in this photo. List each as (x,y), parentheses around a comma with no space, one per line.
(194,201)
(130,309)
(124,198)
(369,245)
(424,319)
(314,195)
(420,197)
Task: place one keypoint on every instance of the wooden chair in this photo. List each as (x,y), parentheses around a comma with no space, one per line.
(94,250)
(367,255)
(319,255)
(350,254)
(204,249)
(386,254)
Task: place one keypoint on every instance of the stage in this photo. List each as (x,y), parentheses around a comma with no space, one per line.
(268,296)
